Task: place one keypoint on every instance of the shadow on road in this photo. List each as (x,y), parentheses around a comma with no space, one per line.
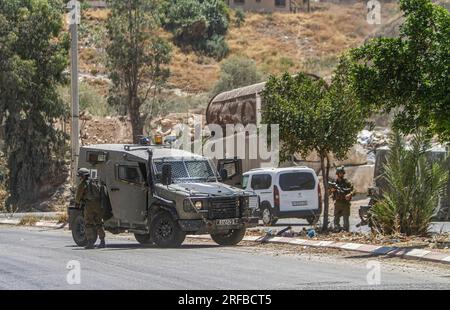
(137,246)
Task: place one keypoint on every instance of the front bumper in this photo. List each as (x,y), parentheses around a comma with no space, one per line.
(206,226)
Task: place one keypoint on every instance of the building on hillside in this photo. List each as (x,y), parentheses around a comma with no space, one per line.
(268,6)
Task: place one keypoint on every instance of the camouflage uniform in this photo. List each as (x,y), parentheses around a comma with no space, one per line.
(342,205)
(93,212)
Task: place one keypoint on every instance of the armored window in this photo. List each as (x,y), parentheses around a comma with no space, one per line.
(245,181)
(280,3)
(129,174)
(261,181)
(95,157)
(178,169)
(297,181)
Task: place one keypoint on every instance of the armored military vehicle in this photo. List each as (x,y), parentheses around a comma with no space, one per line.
(162,194)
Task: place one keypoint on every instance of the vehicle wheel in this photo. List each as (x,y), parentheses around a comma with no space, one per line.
(232,237)
(166,232)
(268,217)
(79,231)
(312,220)
(143,238)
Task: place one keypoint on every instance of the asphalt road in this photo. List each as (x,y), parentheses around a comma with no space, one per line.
(31,258)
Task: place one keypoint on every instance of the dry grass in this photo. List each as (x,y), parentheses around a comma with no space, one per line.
(62,217)
(29,220)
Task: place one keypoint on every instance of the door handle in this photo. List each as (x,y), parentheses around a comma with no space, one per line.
(115,189)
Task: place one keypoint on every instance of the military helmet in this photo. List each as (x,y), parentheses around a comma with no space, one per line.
(340,170)
(83,172)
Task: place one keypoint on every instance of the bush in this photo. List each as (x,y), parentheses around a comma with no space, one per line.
(239,18)
(235,72)
(201,26)
(91,100)
(414,187)
(216,47)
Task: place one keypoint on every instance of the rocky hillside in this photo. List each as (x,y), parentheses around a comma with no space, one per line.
(277,42)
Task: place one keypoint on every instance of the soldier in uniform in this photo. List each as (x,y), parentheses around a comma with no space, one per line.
(342,199)
(89,194)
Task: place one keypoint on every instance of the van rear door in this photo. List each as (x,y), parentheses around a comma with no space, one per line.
(298,191)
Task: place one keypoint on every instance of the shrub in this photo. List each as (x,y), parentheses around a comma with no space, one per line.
(414,187)
(239,18)
(201,26)
(235,72)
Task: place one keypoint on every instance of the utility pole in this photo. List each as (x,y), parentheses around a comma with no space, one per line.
(74,7)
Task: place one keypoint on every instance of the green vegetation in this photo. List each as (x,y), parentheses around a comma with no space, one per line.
(199,24)
(314,117)
(411,72)
(137,57)
(414,188)
(235,72)
(33,55)
(239,18)
(91,100)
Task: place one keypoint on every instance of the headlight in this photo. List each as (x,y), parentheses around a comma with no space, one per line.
(198,205)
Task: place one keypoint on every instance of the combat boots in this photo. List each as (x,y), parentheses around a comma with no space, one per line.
(90,245)
(102,244)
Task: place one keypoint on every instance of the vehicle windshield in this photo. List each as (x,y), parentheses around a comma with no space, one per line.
(188,170)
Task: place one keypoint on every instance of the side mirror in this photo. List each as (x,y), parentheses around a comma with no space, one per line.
(166,175)
(223,174)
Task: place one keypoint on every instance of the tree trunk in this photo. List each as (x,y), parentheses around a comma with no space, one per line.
(137,126)
(326,198)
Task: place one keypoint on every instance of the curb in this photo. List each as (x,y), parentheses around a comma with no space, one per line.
(42,224)
(417,254)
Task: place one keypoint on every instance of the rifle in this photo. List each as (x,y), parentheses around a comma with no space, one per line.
(340,192)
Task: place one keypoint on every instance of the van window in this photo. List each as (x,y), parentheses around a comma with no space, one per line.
(297,181)
(129,174)
(261,181)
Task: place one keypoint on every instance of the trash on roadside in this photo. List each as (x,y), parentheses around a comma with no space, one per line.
(311,233)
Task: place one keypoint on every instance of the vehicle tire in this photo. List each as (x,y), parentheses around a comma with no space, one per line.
(166,232)
(267,216)
(79,230)
(312,220)
(232,237)
(144,239)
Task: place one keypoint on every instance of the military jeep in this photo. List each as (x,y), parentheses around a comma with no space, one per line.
(162,194)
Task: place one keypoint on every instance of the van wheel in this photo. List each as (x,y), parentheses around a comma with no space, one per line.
(232,237)
(166,232)
(79,230)
(143,238)
(312,220)
(268,217)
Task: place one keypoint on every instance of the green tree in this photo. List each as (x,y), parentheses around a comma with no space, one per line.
(200,24)
(314,117)
(33,55)
(235,72)
(411,72)
(137,56)
(414,187)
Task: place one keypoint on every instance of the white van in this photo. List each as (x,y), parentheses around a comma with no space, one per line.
(285,193)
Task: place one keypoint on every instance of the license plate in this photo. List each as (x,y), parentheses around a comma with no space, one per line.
(227,222)
(299,203)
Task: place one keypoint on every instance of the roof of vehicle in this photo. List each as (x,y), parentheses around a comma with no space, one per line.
(278,170)
(140,151)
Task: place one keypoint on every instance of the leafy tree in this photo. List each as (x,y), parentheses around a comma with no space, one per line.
(137,56)
(200,24)
(414,187)
(235,72)
(314,117)
(411,72)
(33,55)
